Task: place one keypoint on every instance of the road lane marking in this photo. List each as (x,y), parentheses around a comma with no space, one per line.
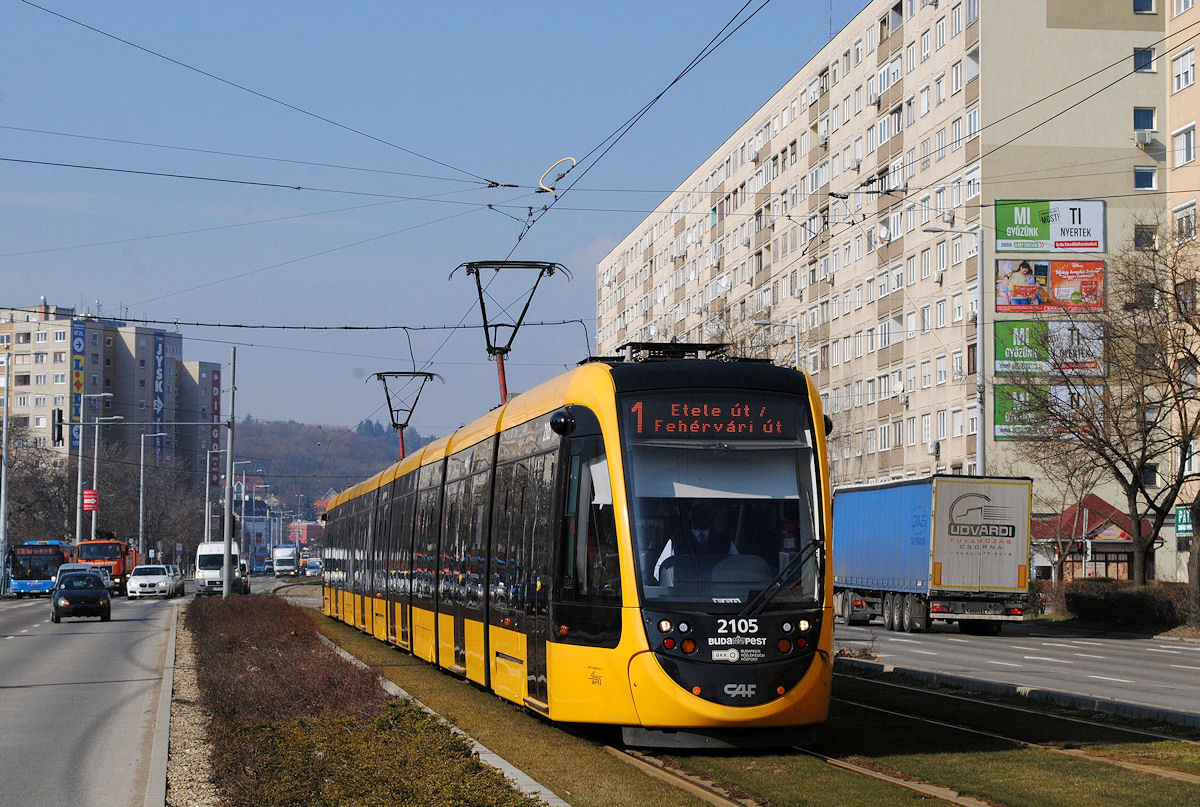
(1023,647)
(1003,663)
(905,641)
(1179,666)
(1161,650)
(1088,655)
(1047,658)
(1093,644)
(925,652)
(1058,644)
(1106,678)
(953,639)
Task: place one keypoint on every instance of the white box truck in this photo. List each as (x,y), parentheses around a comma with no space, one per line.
(287,560)
(210,562)
(954,548)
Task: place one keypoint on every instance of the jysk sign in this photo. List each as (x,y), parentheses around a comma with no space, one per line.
(1066,225)
(160,401)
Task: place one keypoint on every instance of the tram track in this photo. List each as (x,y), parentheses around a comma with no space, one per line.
(1140,767)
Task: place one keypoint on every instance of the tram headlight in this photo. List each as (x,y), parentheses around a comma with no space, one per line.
(787,627)
(664,626)
(804,625)
(684,627)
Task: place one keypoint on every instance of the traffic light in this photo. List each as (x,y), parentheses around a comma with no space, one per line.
(56,423)
(1077,547)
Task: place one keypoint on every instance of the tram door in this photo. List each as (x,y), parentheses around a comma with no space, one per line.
(540,576)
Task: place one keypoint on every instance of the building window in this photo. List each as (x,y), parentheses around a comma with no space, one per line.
(1185,222)
(1183,70)
(1143,6)
(1144,236)
(1143,118)
(1184,143)
(1143,60)
(1182,6)
(1145,177)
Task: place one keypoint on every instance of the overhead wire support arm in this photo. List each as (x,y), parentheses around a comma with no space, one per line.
(494,347)
(399,414)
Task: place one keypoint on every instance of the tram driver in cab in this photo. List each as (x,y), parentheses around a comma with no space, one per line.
(697,547)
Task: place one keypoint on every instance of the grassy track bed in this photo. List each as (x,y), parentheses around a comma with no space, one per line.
(985,768)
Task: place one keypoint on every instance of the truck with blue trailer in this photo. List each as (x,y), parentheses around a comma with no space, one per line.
(952,548)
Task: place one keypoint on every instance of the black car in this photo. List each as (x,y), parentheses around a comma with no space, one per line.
(80,594)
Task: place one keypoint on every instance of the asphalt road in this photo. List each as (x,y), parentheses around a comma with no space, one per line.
(78,702)
(1126,668)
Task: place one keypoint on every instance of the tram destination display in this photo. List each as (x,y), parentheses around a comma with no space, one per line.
(688,415)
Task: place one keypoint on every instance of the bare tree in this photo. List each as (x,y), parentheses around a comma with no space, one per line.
(40,491)
(1116,388)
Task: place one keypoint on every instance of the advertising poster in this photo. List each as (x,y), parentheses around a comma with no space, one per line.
(1025,285)
(1056,225)
(1013,415)
(78,343)
(1042,347)
(159,392)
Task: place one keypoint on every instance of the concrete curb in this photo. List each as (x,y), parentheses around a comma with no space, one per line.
(525,783)
(156,781)
(1134,711)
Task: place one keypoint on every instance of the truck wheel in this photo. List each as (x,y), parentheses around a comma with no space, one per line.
(889,612)
(906,614)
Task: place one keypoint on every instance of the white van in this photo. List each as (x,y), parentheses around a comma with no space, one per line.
(210,562)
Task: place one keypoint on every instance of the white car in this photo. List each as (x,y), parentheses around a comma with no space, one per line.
(150,581)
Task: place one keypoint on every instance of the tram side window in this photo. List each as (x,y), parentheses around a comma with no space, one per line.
(381,541)
(425,546)
(589,567)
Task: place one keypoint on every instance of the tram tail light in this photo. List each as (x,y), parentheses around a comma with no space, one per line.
(669,643)
(688,646)
(801,643)
(563,630)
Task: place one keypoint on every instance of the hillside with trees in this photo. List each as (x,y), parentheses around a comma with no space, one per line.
(305,461)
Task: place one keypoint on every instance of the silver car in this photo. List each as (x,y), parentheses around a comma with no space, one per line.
(150,581)
(177,579)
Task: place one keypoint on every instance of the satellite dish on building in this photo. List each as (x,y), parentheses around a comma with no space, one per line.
(884,235)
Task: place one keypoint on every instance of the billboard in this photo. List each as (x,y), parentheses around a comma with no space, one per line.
(78,344)
(160,401)
(1039,347)
(1038,412)
(1027,285)
(1056,225)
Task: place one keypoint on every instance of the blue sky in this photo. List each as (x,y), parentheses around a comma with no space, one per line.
(388,117)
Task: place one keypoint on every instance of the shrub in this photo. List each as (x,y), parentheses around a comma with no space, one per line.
(262,659)
(295,724)
(1121,603)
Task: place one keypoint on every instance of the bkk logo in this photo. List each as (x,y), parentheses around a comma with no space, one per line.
(973,515)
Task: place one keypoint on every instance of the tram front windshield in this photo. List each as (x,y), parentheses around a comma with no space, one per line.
(718,522)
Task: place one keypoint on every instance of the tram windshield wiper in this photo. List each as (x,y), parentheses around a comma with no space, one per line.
(780,581)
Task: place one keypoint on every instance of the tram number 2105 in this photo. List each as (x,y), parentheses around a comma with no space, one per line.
(742,626)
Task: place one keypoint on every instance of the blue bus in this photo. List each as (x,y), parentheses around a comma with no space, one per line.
(35,564)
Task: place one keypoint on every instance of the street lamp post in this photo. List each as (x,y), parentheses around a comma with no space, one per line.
(207,480)
(793,325)
(242,497)
(142,494)
(96,463)
(980,342)
(79,477)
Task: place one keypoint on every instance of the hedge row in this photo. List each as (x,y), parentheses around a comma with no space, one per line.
(1160,605)
(295,724)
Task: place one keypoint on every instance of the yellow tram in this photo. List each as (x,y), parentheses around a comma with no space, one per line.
(634,543)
